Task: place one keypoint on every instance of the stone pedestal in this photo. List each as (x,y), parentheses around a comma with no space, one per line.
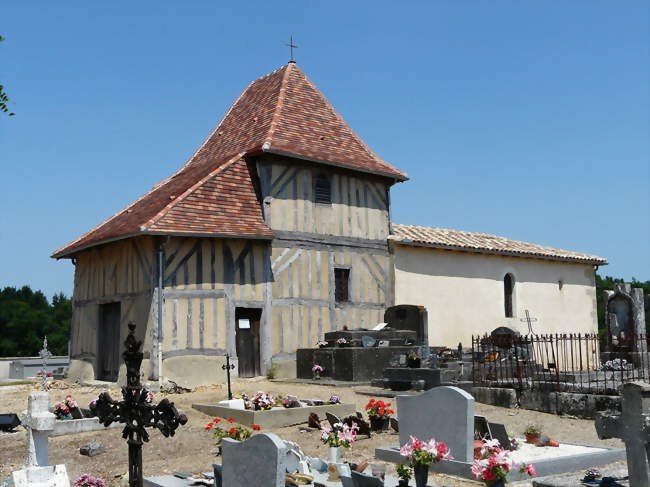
(54,476)
(39,422)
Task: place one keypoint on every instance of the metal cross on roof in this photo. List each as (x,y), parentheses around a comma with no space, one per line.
(45,355)
(291,47)
(137,410)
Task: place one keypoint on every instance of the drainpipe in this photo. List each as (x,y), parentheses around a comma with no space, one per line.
(161,262)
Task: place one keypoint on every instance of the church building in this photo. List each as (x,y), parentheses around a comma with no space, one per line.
(278,230)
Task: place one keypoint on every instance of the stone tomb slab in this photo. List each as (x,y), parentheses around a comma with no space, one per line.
(447,414)
(276,417)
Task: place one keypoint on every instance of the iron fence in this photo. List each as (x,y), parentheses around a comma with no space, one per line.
(572,362)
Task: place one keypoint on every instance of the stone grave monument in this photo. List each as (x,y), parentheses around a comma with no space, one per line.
(632,425)
(625,318)
(446,413)
(257,461)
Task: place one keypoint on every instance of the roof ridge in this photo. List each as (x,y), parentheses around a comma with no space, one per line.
(229,162)
(225,116)
(278,107)
(340,118)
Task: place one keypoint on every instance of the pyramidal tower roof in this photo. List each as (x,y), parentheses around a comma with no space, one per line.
(213,193)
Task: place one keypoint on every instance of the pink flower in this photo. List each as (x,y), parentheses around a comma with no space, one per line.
(530,470)
(477,468)
(442,449)
(406,450)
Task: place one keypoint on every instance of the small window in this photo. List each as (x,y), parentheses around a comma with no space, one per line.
(342,285)
(508,289)
(323,190)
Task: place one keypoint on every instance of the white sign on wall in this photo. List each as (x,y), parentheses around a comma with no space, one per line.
(244,323)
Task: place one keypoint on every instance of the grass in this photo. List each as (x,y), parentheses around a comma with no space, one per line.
(17,383)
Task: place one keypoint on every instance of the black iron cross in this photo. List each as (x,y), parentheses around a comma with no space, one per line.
(530,320)
(228,367)
(136,411)
(291,46)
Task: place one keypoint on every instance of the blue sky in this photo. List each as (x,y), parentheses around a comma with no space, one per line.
(523,119)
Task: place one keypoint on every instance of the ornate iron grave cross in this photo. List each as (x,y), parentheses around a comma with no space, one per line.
(44,354)
(228,367)
(530,320)
(136,410)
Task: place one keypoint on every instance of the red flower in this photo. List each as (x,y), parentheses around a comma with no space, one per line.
(208,426)
(256,427)
(231,420)
(232,431)
(488,475)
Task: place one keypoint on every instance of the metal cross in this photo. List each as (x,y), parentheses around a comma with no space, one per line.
(44,354)
(136,410)
(530,320)
(291,46)
(228,367)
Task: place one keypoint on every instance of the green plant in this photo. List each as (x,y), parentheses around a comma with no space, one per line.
(532,429)
(404,472)
(413,355)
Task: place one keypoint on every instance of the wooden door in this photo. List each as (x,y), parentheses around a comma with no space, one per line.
(247,324)
(108,341)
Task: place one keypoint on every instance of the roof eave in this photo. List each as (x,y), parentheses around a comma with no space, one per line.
(71,252)
(506,253)
(396,176)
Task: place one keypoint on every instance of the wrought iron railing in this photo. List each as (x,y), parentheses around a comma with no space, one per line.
(567,362)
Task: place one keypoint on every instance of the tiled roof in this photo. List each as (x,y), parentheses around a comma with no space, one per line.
(212,194)
(442,238)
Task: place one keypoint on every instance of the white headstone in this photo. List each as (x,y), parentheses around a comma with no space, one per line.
(54,476)
(39,422)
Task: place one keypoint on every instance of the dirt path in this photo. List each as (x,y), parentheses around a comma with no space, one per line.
(192,449)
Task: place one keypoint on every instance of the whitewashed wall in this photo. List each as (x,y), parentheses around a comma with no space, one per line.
(463,293)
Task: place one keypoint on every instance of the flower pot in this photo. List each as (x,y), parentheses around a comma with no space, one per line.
(534,438)
(497,483)
(334,454)
(379,423)
(414,363)
(403,483)
(316,375)
(216,468)
(421,474)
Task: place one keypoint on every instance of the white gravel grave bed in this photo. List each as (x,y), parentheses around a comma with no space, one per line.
(530,453)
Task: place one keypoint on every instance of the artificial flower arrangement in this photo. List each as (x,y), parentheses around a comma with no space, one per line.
(532,433)
(239,433)
(322,344)
(592,474)
(317,369)
(47,373)
(88,481)
(341,342)
(495,464)
(376,408)
(404,473)
(334,400)
(259,402)
(421,455)
(63,410)
(290,402)
(339,435)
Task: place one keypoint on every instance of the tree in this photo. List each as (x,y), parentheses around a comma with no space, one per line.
(4,99)
(26,317)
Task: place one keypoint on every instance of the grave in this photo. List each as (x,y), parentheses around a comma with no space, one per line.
(447,414)
(625,319)
(632,425)
(368,352)
(276,417)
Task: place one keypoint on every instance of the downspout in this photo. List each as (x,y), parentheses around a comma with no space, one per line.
(161,262)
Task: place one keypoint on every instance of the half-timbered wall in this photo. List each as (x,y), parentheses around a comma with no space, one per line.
(359,206)
(119,272)
(205,279)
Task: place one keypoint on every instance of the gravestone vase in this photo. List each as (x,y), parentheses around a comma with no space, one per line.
(334,454)
(421,475)
(379,423)
(316,375)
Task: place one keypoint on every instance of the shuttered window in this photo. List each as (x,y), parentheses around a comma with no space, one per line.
(323,190)
(342,285)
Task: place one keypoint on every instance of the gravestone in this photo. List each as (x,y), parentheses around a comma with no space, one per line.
(332,418)
(444,413)
(409,317)
(481,428)
(500,433)
(364,480)
(632,425)
(625,318)
(257,461)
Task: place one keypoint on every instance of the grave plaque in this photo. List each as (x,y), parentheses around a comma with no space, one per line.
(257,461)
(500,433)
(444,413)
(481,428)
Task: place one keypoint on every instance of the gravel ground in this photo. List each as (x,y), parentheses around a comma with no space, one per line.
(192,449)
